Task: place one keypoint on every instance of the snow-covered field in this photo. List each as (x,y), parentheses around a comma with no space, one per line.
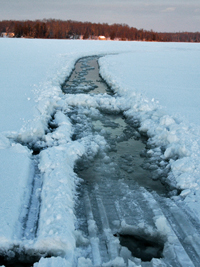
(154,83)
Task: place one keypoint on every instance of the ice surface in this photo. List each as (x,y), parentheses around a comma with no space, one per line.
(160,82)
(167,73)
(16,175)
(156,84)
(53,261)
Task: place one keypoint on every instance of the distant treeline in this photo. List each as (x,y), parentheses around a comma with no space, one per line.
(58,29)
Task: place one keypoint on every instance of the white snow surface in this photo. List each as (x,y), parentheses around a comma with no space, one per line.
(160,85)
(156,83)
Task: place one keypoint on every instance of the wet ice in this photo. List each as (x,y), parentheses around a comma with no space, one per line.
(105,172)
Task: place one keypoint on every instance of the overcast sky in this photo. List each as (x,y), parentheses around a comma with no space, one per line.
(159,15)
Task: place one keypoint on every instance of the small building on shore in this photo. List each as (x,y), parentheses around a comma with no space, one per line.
(7,35)
(11,34)
(101,37)
(4,34)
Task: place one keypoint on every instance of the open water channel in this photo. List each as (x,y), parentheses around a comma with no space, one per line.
(113,182)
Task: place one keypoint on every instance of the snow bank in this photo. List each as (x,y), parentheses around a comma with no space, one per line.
(56,224)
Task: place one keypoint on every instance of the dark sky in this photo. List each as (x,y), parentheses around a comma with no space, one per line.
(159,15)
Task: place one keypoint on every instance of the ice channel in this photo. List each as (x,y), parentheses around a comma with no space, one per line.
(123,138)
(113,181)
